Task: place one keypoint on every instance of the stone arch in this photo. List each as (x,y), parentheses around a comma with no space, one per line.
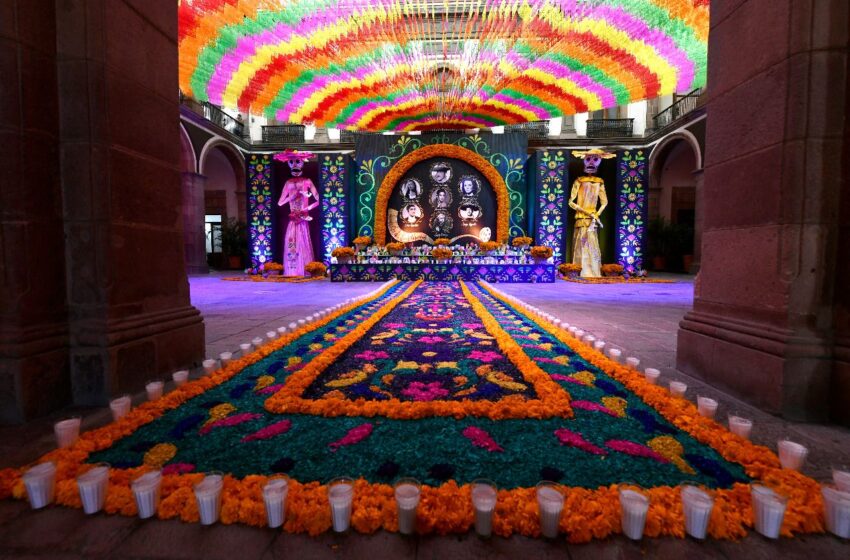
(449,151)
(659,156)
(188,157)
(213,151)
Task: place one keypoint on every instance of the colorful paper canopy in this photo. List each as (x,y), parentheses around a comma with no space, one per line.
(417,64)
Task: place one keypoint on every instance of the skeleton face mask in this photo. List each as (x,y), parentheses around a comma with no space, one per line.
(591,163)
(296,166)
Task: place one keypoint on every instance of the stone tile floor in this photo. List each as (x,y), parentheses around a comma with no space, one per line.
(640,319)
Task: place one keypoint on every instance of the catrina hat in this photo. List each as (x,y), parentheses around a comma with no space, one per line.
(593,152)
(289,154)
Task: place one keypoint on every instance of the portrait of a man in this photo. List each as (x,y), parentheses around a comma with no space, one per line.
(469,212)
(441,173)
(441,224)
(411,214)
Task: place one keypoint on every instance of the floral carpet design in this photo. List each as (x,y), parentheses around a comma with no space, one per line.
(445,382)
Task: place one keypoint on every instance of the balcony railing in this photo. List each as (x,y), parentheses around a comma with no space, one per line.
(537,130)
(609,128)
(215,115)
(284,134)
(681,107)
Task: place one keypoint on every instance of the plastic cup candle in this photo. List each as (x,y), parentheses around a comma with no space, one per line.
(340,495)
(154,390)
(697,505)
(271,335)
(599,345)
(550,501)
(837,511)
(274,496)
(301,322)
(484,503)
(579,334)
(120,407)
(257,341)
(768,510)
(792,455)
(281,331)
(615,354)
(293,326)
(225,358)
(92,485)
(208,494)
(245,347)
(741,426)
(634,506)
(67,431)
(590,339)
(841,477)
(651,375)
(706,406)
(146,492)
(40,482)
(632,362)
(180,377)
(677,388)
(566,326)
(210,366)
(407,499)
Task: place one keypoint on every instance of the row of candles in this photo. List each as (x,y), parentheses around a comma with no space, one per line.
(768,505)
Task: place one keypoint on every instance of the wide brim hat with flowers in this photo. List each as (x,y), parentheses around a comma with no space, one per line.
(289,154)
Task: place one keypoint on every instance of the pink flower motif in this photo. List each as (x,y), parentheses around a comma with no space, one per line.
(472,325)
(431,339)
(485,356)
(394,325)
(269,431)
(575,439)
(372,355)
(419,391)
(480,438)
(634,449)
(178,468)
(354,435)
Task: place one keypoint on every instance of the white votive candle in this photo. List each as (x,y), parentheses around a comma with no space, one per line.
(841,477)
(67,432)
(208,494)
(120,407)
(274,496)
(340,496)
(92,485)
(293,326)
(257,341)
(281,331)
(550,502)
(589,339)
(302,322)
(40,482)
(741,426)
(146,492)
(599,345)
(225,358)
(677,388)
(792,455)
(484,503)
(271,335)
(651,375)
(154,390)
(180,377)
(615,354)
(632,362)
(634,506)
(768,510)
(579,334)
(697,505)
(837,511)
(210,366)
(245,348)
(407,499)
(706,406)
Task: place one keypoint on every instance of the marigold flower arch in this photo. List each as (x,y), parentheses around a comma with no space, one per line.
(448,151)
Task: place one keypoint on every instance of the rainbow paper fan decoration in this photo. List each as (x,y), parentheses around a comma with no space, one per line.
(405,65)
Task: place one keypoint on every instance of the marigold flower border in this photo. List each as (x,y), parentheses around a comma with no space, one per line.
(553,399)
(588,513)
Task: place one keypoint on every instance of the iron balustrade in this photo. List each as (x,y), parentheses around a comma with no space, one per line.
(284,134)
(681,107)
(538,130)
(609,128)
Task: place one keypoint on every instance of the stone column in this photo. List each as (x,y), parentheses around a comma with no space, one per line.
(129,313)
(33,316)
(762,323)
(194,237)
(699,213)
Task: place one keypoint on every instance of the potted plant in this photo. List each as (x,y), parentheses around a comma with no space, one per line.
(362,242)
(441,253)
(541,253)
(315,269)
(234,242)
(487,247)
(520,242)
(569,270)
(343,254)
(395,248)
(272,268)
(442,242)
(612,270)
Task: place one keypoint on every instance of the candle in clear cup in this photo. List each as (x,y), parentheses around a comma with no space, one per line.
(146,490)
(208,495)
(271,335)
(651,375)
(120,407)
(225,358)
(740,426)
(257,341)
(589,339)
(92,485)
(245,347)
(634,506)
(768,510)
(615,354)
(67,432)
(274,496)
(841,477)
(209,366)
(281,331)
(40,482)
(697,505)
(340,495)
(154,390)
(407,499)
(550,502)
(677,388)
(293,326)
(792,455)
(836,511)
(484,503)
(632,362)
(599,345)
(579,334)
(706,406)
(180,377)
